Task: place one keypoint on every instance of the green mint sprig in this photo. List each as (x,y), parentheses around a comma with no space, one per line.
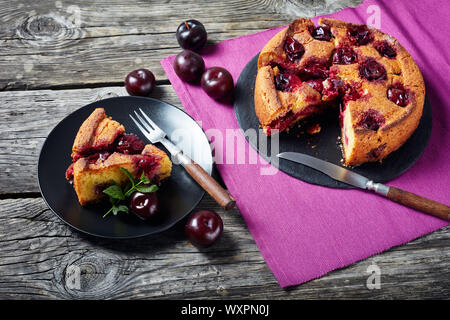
(116,194)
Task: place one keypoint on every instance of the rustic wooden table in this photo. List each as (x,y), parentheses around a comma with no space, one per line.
(57,56)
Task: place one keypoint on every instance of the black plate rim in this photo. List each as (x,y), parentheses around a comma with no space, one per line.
(168,226)
(342,185)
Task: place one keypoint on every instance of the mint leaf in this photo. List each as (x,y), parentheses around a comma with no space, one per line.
(144,178)
(147,189)
(128,174)
(120,208)
(114,192)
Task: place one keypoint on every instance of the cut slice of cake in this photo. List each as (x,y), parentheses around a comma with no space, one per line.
(101,148)
(291,69)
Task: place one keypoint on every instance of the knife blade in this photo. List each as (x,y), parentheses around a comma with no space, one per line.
(334,171)
(347,176)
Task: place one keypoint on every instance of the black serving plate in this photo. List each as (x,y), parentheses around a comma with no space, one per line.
(178,195)
(325,144)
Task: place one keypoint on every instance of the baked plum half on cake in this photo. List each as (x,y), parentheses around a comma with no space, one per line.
(101,148)
(307,69)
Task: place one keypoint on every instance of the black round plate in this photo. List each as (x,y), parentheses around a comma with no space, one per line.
(178,195)
(325,144)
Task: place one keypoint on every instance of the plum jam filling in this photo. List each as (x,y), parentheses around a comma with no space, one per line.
(316,84)
(398,94)
(385,49)
(283,66)
(129,144)
(126,144)
(94,153)
(344,55)
(359,35)
(314,69)
(332,88)
(147,164)
(69,172)
(93,158)
(287,82)
(371,119)
(351,92)
(294,49)
(289,118)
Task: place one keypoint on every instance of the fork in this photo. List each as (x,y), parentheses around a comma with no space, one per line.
(155,134)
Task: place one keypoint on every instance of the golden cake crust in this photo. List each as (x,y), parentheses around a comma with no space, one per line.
(267,104)
(96,132)
(364,143)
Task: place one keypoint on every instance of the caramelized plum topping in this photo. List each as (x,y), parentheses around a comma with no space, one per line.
(360,35)
(398,94)
(287,81)
(314,69)
(385,49)
(294,49)
(321,33)
(344,55)
(372,70)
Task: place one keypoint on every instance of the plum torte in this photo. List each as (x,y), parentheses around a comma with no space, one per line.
(305,69)
(101,148)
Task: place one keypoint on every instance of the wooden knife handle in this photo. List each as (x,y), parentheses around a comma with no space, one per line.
(210,185)
(419,203)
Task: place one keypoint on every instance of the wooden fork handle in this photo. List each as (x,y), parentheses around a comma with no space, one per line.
(222,197)
(419,203)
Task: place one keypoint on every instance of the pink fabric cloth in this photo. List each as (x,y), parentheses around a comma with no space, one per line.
(303,230)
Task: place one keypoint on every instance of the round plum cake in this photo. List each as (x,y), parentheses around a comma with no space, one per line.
(307,69)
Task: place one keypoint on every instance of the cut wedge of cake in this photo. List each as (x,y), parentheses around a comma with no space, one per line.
(101,148)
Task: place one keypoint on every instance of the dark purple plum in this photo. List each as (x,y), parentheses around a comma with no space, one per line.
(191,34)
(217,82)
(144,205)
(140,82)
(204,228)
(189,66)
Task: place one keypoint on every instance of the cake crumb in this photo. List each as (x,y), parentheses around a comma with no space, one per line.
(313,129)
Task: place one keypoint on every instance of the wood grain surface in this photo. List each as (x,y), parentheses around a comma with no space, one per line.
(56,56)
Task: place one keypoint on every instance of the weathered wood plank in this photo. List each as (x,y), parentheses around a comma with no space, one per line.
(54,43)
(29,116)
(58,44)
(37,249)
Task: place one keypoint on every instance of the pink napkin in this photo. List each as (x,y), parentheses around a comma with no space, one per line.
(303,230)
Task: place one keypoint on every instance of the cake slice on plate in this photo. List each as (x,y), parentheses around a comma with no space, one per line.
(101,148)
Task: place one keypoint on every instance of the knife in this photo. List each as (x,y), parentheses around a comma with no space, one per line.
(347,176)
